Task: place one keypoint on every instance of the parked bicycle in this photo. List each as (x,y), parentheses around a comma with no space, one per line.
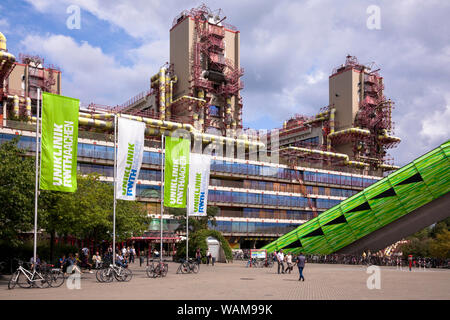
(55,276)
(114,271)
(189,266)
(159,269)
(28,278)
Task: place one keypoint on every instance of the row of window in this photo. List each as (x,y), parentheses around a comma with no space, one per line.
(284,173)
(281,187)
(268,199)
(107,171)
(253,227)
(277,214)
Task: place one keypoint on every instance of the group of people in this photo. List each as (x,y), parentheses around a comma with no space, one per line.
(290,261)
(78,262)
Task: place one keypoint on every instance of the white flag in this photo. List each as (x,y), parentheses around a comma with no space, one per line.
(198,184)
(129,157)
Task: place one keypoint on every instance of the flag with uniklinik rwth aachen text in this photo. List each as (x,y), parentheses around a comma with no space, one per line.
(130,150)
(199,169)
(176,172)
(59,143)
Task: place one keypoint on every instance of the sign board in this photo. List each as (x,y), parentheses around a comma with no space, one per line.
(258,253)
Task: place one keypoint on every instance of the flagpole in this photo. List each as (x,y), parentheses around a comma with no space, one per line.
(115,187)
(187,224)
(162,195)
(36,191)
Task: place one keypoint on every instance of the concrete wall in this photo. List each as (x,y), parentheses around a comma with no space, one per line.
(181,39)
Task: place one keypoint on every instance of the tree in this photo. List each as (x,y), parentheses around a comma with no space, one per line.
(89,212)
(17,184)
(440,247)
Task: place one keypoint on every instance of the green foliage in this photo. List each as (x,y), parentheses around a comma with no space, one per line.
(433,241)
(25,251)
(440,247)
(198,240)
(88,213)
(17,183)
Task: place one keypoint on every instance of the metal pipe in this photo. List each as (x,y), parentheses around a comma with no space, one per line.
(167,88)
(201,118)
(16,107)
(28,109)
(350,130)
(189,98)
(172,82)
(343,156)
(162,94)
(385,136)
(388,167)
(332,112)
(7,56)
(228,117)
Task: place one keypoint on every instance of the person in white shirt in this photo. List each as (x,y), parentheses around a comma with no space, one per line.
(280,259)
(289,262)
(97,260)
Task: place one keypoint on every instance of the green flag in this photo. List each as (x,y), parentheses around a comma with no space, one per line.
(59,143)
(176,175)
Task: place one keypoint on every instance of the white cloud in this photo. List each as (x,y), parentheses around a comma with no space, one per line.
(4,25)
(91,75)
(436,127)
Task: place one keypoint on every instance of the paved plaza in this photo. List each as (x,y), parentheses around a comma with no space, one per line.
(235,281)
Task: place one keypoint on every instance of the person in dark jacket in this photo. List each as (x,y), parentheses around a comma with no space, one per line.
(301,265)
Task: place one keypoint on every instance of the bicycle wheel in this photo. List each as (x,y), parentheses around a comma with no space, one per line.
(107,275)
(156,271)
(98,275)
(13,281)
(57,279)
(185,267)
(23,281)
(149,271)
(41,280)
(165,269)
(126,275)
(195,268)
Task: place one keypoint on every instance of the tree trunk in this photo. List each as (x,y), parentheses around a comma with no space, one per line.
(52,240)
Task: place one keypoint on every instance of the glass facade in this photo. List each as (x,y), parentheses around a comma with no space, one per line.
(253,227)
(241,176)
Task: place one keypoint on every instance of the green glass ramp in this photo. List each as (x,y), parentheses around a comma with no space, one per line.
(402,192)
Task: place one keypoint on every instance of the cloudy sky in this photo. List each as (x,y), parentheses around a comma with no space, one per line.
(288,50)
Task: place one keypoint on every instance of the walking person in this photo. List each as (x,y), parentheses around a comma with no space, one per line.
(301,265)
(132,254)
(280,259)
(289,262)
(208,257)
(198,256)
